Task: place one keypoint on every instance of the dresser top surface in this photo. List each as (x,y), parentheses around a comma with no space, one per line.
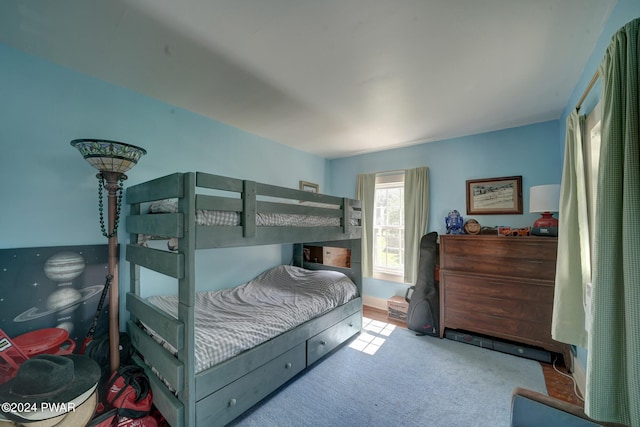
(491,237)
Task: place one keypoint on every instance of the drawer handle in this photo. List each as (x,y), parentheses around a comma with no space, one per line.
(232,402)
(351,324)
(534,261)
(323,342)
(288,365)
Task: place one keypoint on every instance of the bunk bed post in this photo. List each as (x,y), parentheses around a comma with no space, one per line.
(134,269)
(249,191)
(186,298)
(345,216)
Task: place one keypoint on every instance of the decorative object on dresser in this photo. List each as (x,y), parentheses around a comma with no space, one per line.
(112,159)
(454,222)
(501,287)
(472,226)
(494,196)
(545,199)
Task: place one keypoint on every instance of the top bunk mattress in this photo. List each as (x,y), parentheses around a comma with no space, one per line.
(234,320)
(230,218)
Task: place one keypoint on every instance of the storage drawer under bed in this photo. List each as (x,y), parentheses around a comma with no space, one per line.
(322,343)
(232,400)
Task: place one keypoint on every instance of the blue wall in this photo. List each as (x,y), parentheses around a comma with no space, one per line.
(529,151)
(50,192)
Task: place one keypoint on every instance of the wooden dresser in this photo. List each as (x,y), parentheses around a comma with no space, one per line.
(500,286)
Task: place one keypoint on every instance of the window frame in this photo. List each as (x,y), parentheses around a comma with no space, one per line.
(389,180)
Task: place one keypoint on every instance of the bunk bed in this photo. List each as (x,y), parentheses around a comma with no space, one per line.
(166,341)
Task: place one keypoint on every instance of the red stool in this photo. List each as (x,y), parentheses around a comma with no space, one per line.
(12,355)
(45,341)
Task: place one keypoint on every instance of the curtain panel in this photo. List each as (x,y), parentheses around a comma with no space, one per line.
(613,361)
(573,265)
(416,218)
(365,191)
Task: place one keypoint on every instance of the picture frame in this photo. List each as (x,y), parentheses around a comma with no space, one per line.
(309,186)
(494,196)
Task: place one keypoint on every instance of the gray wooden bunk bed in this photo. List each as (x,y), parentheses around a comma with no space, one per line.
(224,391)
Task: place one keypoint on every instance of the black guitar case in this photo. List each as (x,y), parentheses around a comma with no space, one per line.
(423,315)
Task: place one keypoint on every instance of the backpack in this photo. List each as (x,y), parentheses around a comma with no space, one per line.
(128,400)
(129,392)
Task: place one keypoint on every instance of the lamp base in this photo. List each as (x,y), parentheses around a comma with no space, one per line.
(546,225)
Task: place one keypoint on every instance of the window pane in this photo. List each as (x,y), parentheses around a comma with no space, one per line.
(388,245)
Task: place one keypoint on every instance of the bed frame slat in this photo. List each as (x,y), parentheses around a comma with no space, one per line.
(169,405)
(169,367)
(228,237)
(290,208)
(166,326)
(218,203)
(165,225)
(167,187)
(217,182)
(289,193)
(169,263)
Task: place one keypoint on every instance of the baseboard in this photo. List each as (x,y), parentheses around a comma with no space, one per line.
(374,302)
(579,375)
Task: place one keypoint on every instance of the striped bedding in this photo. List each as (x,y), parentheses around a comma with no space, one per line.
(231,321)
(230,218)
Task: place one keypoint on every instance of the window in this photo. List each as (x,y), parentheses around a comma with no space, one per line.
(591,161)
(388,227)
(591,151)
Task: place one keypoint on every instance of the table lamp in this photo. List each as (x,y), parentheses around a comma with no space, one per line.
(545,199)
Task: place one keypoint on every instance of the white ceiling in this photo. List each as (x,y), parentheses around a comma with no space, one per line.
(330,77)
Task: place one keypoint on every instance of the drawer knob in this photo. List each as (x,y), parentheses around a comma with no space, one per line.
(288,365)
(232,402)
(351,324)
(323,342)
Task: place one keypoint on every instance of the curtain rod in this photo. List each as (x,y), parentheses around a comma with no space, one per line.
(588,89)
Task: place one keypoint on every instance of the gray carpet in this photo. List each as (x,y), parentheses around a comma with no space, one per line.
(409,381)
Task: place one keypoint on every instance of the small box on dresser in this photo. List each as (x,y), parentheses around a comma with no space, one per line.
(500,286)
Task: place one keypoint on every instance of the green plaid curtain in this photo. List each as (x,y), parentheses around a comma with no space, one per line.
(613,362)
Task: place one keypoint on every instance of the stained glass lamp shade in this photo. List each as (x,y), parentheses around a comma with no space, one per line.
(109,156)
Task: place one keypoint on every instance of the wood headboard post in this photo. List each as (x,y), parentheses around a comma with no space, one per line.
(249,208)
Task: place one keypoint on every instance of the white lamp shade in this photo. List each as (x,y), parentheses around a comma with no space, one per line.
(544,198)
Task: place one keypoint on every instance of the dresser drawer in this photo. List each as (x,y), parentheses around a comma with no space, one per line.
(240,395)
(510,256)
(518,330)
(327,340)
(499,288)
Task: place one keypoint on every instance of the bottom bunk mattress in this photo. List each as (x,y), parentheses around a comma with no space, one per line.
(234,320)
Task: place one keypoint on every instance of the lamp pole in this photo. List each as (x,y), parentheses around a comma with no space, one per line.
(112,185)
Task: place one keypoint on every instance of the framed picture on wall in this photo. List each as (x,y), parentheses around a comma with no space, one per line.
(494,196)
(310,187)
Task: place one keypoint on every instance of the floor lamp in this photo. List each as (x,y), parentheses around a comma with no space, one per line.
(112,159)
